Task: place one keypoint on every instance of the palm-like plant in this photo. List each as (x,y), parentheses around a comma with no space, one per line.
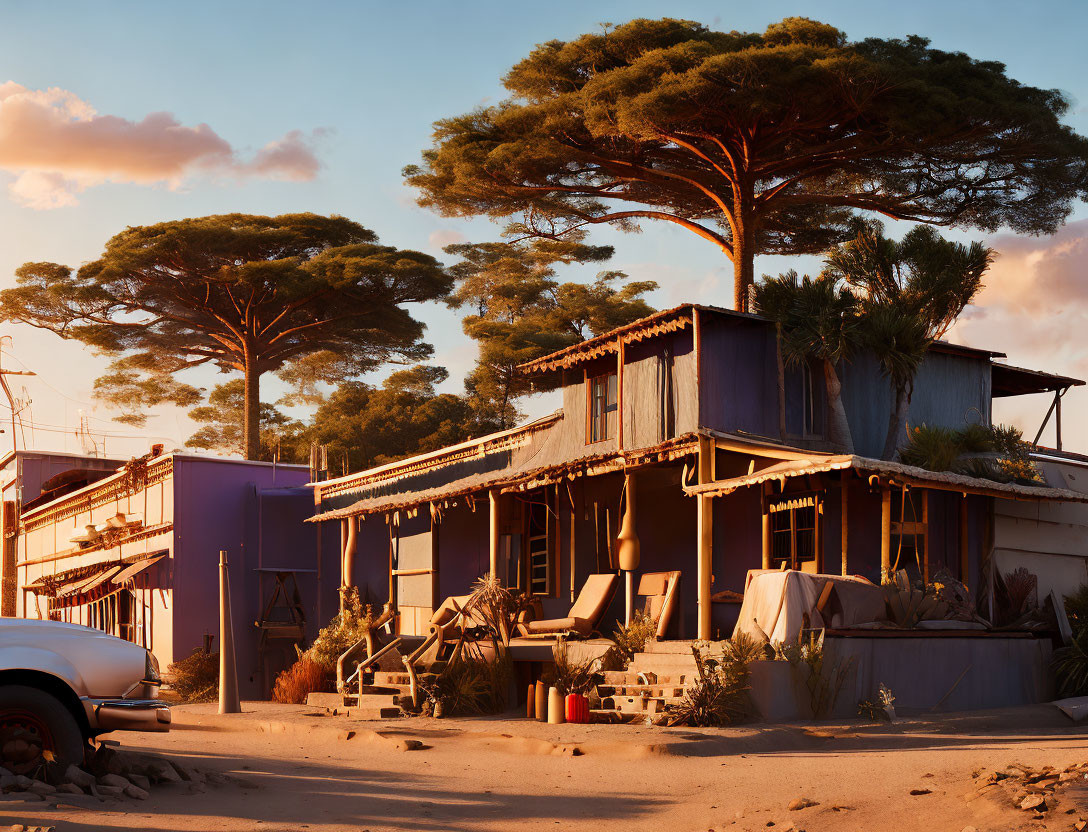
(911,292)
(817,320)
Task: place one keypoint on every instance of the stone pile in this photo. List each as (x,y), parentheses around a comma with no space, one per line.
(108,774)
(1038,791)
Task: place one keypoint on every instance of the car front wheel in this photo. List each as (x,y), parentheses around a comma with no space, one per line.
(37,733)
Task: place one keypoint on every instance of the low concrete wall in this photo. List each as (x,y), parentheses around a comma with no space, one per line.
(938,674)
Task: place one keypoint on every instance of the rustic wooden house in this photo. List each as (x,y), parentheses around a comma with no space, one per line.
(732,471)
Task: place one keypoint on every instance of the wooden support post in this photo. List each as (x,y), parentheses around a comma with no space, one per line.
(885,533)
(704,511)
(493,546)
(925,536)
(573,543)
(845,537)
(1058,417)
(767,542)
(619,395)
(964,551)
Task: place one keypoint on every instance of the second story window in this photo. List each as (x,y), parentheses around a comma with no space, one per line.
(603,410)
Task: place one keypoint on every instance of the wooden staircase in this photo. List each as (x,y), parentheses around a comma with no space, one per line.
(657,677)
(377,699)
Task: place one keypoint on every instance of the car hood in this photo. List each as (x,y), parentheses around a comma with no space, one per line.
(93,663)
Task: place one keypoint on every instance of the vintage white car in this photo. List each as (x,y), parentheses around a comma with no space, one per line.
(62,684)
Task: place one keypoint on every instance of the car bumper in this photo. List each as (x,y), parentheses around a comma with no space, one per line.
(107,715)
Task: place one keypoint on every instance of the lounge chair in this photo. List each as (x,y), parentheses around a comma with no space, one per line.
(584,616)
(661,591)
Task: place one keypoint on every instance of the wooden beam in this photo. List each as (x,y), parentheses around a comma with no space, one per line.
(493,540)
(767,543)
(845,537)
(704,511)
(964,550)
(885,533)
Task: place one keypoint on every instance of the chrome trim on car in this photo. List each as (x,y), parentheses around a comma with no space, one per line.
(128,714)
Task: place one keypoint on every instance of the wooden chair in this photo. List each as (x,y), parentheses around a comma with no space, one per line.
(586,614)
(661,594)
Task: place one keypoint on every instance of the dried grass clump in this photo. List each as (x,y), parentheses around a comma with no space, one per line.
(342,632)
(631,638)
(304,677)
(468,687)
(720,696)
(569,675)
(196,678)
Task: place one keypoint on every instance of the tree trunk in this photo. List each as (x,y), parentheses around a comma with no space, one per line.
(251,420)
(838,428)
(744,248)
(897,423)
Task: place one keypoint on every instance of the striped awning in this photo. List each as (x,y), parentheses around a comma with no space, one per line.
(134,569)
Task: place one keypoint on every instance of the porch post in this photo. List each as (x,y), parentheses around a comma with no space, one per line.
(925,538)
(705,536)
(845,522)
(964,551)
(885,533)
(493,546)
(766,518)
(347,558)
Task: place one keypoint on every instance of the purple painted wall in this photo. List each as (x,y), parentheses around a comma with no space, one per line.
(217,506)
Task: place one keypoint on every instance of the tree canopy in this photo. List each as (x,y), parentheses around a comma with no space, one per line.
(912,291)
(756,142)
(239,292)
(521,311)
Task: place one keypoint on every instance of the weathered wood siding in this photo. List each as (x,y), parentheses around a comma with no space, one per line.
(950,391)
(738,376)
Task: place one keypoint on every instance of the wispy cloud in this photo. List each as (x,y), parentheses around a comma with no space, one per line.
(445,237)
(56,145)
(1035,309)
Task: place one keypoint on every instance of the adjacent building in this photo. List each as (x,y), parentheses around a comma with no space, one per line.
(136,553)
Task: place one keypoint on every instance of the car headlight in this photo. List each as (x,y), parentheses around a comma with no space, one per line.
(151,669)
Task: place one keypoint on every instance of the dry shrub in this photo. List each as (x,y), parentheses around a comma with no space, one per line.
(196,678)
(342,632)
(720,695)
(304,677)
(631,638)
(570,675)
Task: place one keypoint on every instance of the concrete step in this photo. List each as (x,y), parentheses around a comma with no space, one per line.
(668,647)
(640,704)
(625,677)
(640,690)
(385,690)
(382,677)
(663,665)
(375,700)
(373,713)
(325,700)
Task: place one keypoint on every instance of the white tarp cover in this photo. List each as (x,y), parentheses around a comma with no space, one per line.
(776,602)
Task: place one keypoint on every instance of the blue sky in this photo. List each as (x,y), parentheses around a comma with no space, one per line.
(372,78)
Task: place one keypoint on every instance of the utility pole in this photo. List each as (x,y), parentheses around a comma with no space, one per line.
(7,391)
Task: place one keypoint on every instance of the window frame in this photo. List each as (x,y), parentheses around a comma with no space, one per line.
(791,507)
(594,420)
(541,502)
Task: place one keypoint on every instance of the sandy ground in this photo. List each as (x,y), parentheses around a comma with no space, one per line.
(298,770)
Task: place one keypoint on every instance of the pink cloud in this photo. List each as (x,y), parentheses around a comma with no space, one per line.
(56,145)
(445,237)
(1034,308)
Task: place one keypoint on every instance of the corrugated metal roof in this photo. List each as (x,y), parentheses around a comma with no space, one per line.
(529,475)
(897,472)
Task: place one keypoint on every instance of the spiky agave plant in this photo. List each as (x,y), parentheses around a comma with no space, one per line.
(570,675)
(1070,666)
